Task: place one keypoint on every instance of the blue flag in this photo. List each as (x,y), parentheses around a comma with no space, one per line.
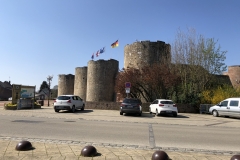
(92,56)
(102,50)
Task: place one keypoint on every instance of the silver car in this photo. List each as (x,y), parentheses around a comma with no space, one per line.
(68,102)
(228,107)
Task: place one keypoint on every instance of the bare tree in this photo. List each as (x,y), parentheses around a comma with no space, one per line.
(198,59)
(151,82)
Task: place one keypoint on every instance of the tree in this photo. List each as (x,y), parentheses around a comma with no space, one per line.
(216,95)
(44,85)
(151,82)
(198,59)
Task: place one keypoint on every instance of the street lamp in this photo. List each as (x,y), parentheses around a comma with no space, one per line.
(49,79)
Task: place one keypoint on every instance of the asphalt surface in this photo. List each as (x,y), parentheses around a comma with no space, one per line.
(64,149)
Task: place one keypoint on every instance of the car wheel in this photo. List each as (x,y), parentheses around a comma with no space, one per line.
(156,113)
(140,114)
(56,110)
(174,114)
(82,107)
(215,113)
(73,109)
(121,113)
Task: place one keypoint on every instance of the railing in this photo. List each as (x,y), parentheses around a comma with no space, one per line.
(204,108)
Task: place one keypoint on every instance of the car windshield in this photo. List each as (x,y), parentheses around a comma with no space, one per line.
(63,98)
(131,101)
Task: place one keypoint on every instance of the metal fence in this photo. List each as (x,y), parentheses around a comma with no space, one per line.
(204,108)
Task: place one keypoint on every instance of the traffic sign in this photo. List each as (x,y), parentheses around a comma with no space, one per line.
(127,90)
(127,85)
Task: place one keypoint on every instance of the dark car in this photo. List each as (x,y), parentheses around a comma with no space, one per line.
(131,105)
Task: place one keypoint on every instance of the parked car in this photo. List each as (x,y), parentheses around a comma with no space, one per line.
(163,106)
(228,107)
(68,102)
(131,105)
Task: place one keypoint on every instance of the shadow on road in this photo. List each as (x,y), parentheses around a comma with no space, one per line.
(170,116)
(144,115)
(77,111)
(148,115)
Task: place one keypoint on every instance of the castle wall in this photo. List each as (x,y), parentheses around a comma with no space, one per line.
(65,84)
(143,53)
(234,75)
(101,80)
(80,82)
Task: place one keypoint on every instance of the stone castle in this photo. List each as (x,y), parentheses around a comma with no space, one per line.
(95,83)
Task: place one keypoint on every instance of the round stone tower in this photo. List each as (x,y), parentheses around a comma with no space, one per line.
(101,80)
(80,82)
(143,53)
(234,75)
(65,84)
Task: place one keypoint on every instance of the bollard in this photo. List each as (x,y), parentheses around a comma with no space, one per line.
(24,146)
(89,151)
(160,155)
(235,157)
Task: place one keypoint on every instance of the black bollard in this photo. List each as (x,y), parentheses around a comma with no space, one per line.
(235,157)
(89,151)
(24,146)
(160,155)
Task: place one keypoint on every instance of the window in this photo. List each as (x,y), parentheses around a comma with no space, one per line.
(155,102)
(166,102)
(78,98)
(63,98)
(131,101)
(224,103)
(234,103)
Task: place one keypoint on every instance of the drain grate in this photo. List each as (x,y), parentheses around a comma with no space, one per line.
(69,121)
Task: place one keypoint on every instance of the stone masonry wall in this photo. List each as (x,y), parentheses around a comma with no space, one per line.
(143,53)
(80,82)
(65,84)
(182,108)
(234,75)
(101,80)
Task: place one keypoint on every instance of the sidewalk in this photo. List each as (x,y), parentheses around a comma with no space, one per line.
(64,151)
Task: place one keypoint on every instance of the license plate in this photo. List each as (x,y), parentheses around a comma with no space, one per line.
(130,106)
(169,111)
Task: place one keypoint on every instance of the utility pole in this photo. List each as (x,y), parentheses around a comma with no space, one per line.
(49,79)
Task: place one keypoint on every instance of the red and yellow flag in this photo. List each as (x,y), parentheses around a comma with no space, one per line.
(115,44)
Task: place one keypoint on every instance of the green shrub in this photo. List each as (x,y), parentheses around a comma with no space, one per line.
(10,106)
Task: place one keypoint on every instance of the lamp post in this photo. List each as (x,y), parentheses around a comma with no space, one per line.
(49,79)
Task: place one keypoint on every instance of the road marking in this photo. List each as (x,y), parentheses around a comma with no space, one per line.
(151,137)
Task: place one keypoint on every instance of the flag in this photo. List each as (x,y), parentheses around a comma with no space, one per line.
(92,56)
(97,54)
(102,50)
(115,44)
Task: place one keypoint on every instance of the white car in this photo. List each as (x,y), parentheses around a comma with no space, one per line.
(228,107)
(68,102)
(163,106)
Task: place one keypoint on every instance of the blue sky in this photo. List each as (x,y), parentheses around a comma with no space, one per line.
(39,38)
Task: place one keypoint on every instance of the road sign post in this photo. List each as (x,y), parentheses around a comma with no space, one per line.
(127,87)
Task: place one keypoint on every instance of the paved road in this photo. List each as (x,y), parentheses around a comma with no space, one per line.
(124,133)
(146,123)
